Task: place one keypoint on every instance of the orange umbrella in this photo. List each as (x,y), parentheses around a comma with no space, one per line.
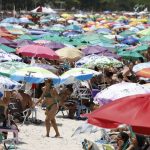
(144,73)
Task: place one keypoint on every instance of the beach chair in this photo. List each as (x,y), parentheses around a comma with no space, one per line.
(8,144)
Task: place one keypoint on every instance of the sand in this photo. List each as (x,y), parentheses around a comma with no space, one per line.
(32,137)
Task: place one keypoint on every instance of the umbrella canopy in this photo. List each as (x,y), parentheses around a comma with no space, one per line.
(145,39)
(46,66)
(21,43)
(94,50)
(55,45)
(25,21)
(8,56)
(79,74)
(141,66)
(99,61)
(8,84)
(130,55)
(5,41)
(145,32)
(130,40)
(7,68)
(34,75)
(131,110)
(141,48)
(7,49)
(38,51)
(43,10)
(10,20)
(71,54)
(123,89)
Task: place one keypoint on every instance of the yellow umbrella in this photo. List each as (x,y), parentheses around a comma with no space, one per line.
(65,15)
(70,54)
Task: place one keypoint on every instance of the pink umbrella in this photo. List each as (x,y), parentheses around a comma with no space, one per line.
(37,51)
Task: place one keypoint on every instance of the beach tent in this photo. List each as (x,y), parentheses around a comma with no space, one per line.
(44,10)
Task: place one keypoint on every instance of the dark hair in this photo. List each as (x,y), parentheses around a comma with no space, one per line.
(120,76)
(142,82)
(140,140)
(69,86)
(108,74)
(124,136)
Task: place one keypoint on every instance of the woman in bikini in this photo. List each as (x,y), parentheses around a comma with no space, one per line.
(51,98)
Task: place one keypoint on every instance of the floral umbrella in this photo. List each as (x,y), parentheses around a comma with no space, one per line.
(91,61)
(8,84)
(120,90)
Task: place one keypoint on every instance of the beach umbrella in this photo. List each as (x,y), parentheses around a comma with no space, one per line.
(27,37)
(21,43)
(34,75)
(140,48)
(10,20)
(16,31)
(4,56)
(94,50)
(142,70)
(5,41)
(25,21)
(7,49)
(7,68)
(55,45)
(46,66)
(79,74)
(130,40)
(123,89)
(145,39)
(101,61)
(131,110)
(73,28)
(37,51)
(130,55)
(41,42)
(145,32)
(103,31)
(68,53)
(8,84)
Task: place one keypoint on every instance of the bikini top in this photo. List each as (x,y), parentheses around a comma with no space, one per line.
(47,94)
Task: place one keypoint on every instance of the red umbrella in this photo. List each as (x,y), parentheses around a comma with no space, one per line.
(38,51)
(131,110)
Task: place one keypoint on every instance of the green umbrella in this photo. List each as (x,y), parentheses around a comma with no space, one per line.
(141,48)
(145,39)
(7,68)
(130,55)
(7,49)
(127,33)
(28,37)
(144,32)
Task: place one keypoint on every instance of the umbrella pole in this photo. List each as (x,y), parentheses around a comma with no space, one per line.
(103,71)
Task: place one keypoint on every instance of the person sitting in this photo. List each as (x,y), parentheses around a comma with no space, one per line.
(123,141)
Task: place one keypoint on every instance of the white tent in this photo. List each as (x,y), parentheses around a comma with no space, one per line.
(45,10)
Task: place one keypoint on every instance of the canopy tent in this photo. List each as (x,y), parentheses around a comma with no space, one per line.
(44,10)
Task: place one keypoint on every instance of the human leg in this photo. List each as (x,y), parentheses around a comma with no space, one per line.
(47,124)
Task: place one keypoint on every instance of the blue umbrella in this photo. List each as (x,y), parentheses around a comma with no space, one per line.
(78,74)
(130,40)
(104,31)
(10,20)
(25,20)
